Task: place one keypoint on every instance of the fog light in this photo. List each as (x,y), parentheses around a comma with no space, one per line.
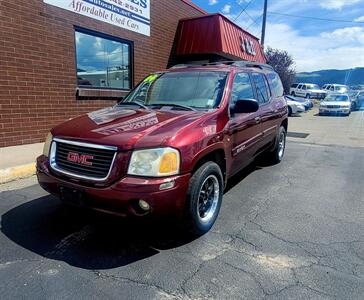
(166,186)
(144,205)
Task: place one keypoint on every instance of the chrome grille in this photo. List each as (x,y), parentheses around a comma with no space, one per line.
(82,160)
(333,106)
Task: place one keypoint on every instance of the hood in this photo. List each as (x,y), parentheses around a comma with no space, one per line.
(127,128)
(341,103)
(295,103)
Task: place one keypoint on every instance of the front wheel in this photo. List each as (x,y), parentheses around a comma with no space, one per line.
(276,155)
(308,96)
(204,198)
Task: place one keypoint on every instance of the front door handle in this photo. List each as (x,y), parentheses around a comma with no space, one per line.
(258,120)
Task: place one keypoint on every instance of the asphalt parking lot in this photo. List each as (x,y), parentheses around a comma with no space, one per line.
(289,231)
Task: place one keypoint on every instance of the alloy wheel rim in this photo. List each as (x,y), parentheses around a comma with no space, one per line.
(281,145)
(208,199)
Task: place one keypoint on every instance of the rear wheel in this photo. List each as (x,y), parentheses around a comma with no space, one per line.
(289,111)
(308,96)
(276,156)
(293,94)
(204,199)
(353,106)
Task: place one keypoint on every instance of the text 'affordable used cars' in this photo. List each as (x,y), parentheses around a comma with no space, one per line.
(170,146)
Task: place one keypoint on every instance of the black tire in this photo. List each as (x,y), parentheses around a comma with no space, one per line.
(289,111)
(353,106)
(276,156)
(293,94)
(192,220)
(308,96)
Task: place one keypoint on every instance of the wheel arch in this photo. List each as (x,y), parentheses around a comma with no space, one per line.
(217,156)
(285,124)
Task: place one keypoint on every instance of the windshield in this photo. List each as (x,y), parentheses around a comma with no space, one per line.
(342,89)
(196,89)
(313,86)
(337,98)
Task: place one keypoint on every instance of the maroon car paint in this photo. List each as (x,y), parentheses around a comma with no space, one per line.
(194,133)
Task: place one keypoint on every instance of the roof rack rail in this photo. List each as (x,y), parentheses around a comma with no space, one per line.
(236,63)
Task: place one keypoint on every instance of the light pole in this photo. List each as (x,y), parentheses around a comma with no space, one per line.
(264,21)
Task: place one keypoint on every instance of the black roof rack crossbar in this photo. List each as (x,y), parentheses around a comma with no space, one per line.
(236,63)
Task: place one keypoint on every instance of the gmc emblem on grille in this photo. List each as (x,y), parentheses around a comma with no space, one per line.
(81,159)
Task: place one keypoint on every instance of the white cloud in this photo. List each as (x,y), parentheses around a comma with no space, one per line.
(213,2)
(328,50)
(360,19)
(226,9)
(346,35)
(337,4)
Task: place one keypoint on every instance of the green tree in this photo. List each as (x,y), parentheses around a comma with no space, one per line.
(283,64)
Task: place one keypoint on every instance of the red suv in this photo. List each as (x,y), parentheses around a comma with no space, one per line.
(170,146)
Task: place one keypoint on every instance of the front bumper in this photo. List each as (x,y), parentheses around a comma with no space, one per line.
(334,110)
(121,198)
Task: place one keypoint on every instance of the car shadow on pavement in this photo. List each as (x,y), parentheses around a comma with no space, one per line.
(91,240)
(84,238)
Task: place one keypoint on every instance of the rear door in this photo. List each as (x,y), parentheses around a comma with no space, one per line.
(244,129)
(271,105)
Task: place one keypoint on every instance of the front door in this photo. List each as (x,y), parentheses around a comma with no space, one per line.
(243,129)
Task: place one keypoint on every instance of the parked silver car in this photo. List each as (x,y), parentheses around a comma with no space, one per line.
(335,104)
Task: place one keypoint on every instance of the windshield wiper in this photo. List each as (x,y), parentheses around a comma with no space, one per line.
(134,103)
(175,105)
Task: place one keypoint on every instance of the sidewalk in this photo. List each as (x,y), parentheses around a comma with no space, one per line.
(18,161)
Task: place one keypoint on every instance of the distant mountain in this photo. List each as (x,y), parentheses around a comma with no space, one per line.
(348,77)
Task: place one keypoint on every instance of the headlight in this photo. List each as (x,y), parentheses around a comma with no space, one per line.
(47,144)
(154,162)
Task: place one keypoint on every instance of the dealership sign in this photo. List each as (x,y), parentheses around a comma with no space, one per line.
(133,15)
(247,46)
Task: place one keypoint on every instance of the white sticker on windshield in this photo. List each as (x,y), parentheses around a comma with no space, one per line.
(210,102)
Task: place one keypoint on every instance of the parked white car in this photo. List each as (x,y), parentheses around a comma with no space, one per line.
(294,107)
(336,104)
(335,88)
(307,90)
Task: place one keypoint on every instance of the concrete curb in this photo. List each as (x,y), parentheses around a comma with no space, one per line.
(10,174)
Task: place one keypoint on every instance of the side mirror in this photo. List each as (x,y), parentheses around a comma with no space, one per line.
(245,106)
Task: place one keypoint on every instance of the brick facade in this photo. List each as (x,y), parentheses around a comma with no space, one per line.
(38,69)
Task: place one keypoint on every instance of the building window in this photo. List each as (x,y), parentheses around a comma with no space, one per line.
(103,61)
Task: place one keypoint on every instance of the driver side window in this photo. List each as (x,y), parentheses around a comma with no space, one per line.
(242,88)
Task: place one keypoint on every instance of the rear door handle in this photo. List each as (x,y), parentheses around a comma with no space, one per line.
(258,120)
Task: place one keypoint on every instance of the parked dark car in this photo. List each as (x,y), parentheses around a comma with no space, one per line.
(357,100)
(170,146)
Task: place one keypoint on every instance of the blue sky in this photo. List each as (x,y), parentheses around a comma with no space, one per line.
(314,44)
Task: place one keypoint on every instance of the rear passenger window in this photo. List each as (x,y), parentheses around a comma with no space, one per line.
(242,88)
(262,88)
(276,84)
